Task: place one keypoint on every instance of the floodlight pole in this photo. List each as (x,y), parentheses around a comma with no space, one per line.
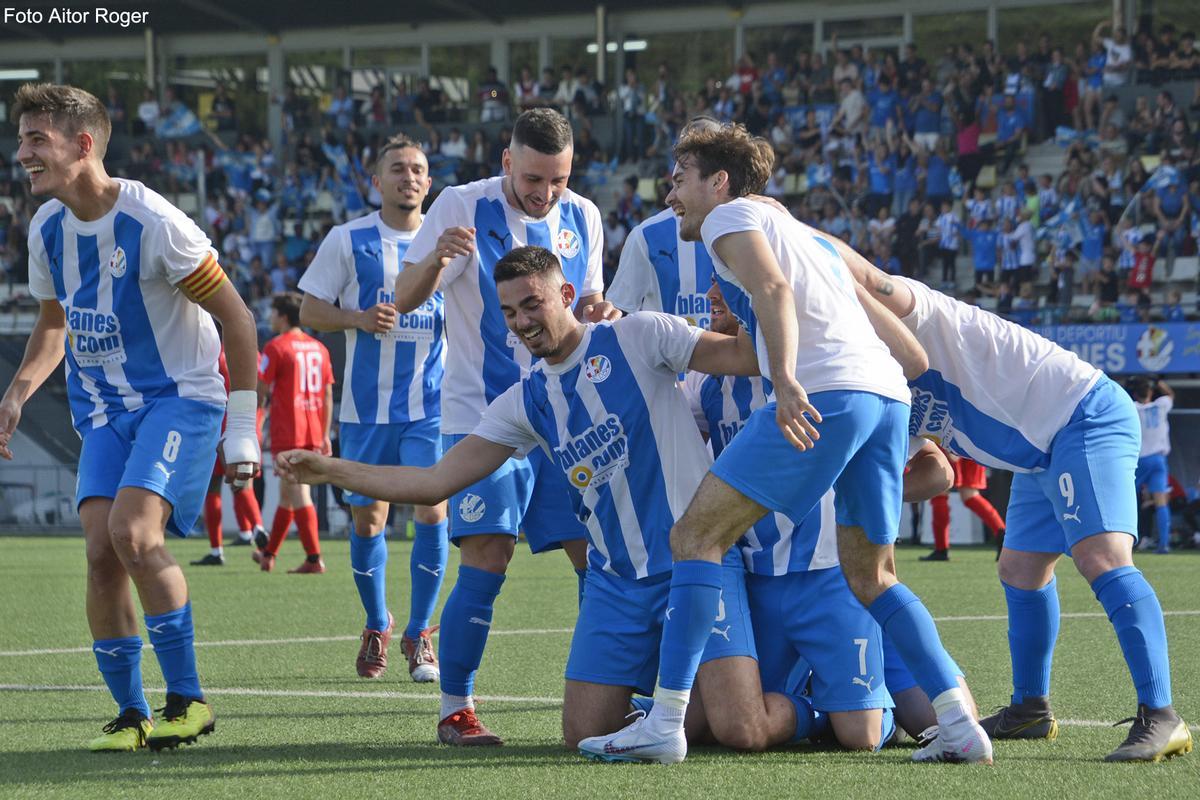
(601,44)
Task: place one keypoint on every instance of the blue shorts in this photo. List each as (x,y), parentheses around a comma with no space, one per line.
(1088,486)
(408,444)
(1152,473)
(167,446)
(525,494)
(620,625)
(895,671)
(814,617)
(861,454)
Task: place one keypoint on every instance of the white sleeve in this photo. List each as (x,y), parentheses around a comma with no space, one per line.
(691,386)
(41,284)
(631,284)
(593,278)
(177,246)
(1166,402)
(447,211)
(504,422)
(733,217)
(328,274)
(915,445)
(665,341)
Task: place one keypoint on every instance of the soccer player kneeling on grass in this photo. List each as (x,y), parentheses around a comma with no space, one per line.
(295,377)
(127,284)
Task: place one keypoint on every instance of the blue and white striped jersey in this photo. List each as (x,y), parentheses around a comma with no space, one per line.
(979,210)
(1007,207)
(840,350)
(132,335)
(483,358)
(391,377)
(994,392)
(949,231)
(613,418)
(661,272)
(775,545)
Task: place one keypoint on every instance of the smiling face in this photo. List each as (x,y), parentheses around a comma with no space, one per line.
(537,308)
(692,197)
(50,156)
(537,180)
(402,177)
(720,320)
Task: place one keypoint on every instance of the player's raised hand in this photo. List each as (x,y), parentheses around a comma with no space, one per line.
(795,415)
(302,466)
(10,415)
(379,318)
(600,312)
(454,242)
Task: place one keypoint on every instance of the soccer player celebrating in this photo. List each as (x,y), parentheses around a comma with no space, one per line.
(1156,445)
(1071,436)
(391,395)
(467,231)
(126,284)
(785,285)
(295,378)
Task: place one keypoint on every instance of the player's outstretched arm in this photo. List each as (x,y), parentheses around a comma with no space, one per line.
(469,461)
(43,353)
(929,474)
(717,354)
(321,315)
(749,256)
(417,282)
(895,334)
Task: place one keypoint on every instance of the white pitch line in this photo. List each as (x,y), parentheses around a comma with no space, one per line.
(519,632)
(236,691)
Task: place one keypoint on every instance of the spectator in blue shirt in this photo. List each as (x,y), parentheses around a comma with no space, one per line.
(1171,208)
(1011,129)
(881,175)
(985,242)
(926,107)
(1173,309)
(937,177)
(905,185)
(1091,248)
(884,101)
(341,109)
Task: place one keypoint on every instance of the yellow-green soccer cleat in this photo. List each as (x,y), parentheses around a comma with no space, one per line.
(183,720)
(124,734)
(1156,734)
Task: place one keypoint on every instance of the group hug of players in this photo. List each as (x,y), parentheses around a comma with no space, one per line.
(749,600)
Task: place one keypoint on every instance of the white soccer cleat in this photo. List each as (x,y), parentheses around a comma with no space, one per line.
(960,742)
(637,741)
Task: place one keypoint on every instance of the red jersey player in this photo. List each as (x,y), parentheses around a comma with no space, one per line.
(245,504)
(294,372)
(970,479)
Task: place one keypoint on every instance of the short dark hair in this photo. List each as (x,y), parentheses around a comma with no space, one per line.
(397,142)
(287,304)
(524,261)
(748,160)
(543,129)
(70,109)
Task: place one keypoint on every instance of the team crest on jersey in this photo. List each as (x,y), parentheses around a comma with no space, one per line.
(117,263)
(567,243)
(597,369)
(472,508)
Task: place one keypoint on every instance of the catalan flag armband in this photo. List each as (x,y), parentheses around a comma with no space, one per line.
(204,281)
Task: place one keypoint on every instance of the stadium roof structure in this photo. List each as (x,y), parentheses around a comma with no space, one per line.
(278,16)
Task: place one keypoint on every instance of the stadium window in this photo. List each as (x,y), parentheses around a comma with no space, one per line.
(784,40)
(933,33)
(457,71)
(1066,24)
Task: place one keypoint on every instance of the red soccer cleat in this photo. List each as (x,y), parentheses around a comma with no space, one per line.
(463,729)
(372,655)
(422,660)
(308,568)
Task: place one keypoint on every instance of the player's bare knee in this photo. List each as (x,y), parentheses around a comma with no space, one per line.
(488,552)
(131,541)
(740,733)
(429,515)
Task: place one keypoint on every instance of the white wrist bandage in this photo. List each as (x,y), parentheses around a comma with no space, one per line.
(239,445)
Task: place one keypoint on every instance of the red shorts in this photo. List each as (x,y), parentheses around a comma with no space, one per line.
(969,474)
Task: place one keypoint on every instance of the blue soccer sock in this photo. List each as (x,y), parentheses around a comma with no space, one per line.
(581,574)
(1033,618)
(427,567)
(120,662)
(368,562)
(907,622)
(810,723)
(1162,516)
(173,638)
(466,619)
(692,607)
(1133,609)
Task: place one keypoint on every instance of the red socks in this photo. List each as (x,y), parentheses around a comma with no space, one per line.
(279,529)
(306,525)
(245,506)
(941,522)
(986,512)
(212,518)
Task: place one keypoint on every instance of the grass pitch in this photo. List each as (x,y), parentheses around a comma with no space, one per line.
(277,660)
